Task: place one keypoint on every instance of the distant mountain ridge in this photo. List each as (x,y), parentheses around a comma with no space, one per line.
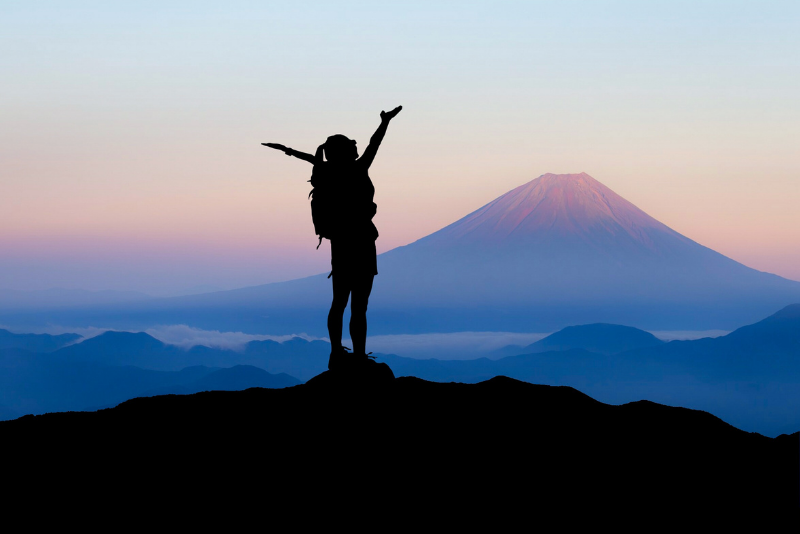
(236,378)
(111,368)
(296,357)
(35,342)
(599,337)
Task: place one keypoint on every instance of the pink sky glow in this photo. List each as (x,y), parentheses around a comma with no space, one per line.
(129,145)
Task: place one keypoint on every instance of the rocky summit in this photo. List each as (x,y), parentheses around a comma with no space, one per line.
(352,445)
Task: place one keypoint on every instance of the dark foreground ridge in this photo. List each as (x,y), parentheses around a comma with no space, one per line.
(405,447)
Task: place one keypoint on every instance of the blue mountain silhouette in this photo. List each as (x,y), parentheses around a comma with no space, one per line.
(236,378)
(35,342)
(601,338)
(104,376)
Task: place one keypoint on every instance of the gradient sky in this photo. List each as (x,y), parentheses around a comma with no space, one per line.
(129,140)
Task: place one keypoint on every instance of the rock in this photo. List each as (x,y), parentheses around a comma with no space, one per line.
(364,374)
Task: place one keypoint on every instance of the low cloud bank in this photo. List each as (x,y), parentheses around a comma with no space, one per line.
(187,337)
(451,346)
(179,334)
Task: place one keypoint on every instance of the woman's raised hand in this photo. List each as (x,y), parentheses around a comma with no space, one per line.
(387,116)
(276,146)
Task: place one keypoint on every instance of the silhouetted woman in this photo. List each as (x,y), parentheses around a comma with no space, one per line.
(353,257)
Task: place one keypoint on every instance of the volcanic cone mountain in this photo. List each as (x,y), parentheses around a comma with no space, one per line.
(560,250)
(554,208)
(565,249)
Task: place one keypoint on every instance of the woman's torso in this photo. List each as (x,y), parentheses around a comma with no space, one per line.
(353,241)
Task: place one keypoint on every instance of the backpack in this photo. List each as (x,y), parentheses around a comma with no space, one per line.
(322,202)
(327,203)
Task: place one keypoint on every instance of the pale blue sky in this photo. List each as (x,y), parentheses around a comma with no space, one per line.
(129,153)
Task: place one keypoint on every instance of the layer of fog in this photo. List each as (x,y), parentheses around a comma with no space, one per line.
(449,346)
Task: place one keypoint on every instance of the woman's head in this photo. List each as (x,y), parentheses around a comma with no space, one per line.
(340,148)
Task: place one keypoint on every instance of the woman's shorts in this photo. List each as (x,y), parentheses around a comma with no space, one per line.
(354,257)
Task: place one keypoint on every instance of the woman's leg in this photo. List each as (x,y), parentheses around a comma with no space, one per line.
(341,292)
(361,289)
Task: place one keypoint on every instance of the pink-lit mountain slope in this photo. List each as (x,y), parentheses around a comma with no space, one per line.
(556,209)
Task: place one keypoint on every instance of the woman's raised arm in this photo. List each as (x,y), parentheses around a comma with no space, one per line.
(291,152)
(375,141)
